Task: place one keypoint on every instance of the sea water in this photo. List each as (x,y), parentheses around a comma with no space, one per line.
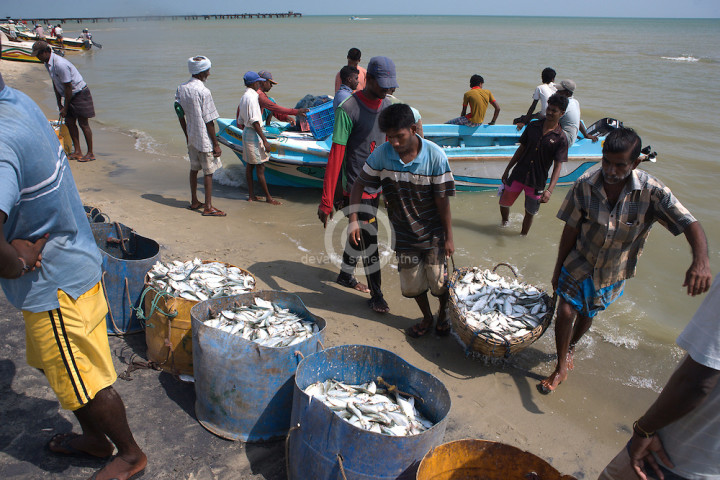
(657,76)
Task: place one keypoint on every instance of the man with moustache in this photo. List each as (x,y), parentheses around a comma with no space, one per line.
(608,214)
(355,136)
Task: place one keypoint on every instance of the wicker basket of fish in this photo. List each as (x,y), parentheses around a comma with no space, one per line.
(496,316)
(171,290)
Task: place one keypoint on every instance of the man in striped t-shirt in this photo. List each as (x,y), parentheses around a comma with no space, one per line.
(416,180)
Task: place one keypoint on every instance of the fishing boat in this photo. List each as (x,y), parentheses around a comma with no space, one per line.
(20,51)
(478,155)
(67,43)
(354,18)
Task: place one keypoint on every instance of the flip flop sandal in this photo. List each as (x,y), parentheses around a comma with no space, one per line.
(352,283)
(59,444)
(416,331)
(86,159)
(379,305)
(444,329)
(214,213)
(190,207)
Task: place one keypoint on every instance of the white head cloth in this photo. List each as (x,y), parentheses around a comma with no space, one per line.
(197,66)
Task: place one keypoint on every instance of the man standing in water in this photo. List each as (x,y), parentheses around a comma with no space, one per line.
(417,182)
(255,145)
(355,136)
(196,112)
(50,269)
(542,145)
(608,214)
(69,85)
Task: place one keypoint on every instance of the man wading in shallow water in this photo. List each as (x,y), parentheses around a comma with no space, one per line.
(608,214)
(355,136)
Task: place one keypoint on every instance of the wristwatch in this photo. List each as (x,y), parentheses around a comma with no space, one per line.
(25,266)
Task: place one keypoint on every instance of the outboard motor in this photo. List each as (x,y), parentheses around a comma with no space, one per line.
(604,126)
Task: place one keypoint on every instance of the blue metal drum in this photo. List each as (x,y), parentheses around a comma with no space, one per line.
(126,259)
(321,444)
(244,391)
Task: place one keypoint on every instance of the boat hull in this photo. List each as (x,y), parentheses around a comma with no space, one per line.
(298,160)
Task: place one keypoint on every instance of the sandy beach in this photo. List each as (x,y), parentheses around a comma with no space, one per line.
(578,429)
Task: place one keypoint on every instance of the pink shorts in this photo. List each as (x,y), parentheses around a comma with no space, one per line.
(512,192)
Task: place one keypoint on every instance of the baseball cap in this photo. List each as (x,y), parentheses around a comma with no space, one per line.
(251,77)
(568,85)
(265,75)
(383,69)
(38,47)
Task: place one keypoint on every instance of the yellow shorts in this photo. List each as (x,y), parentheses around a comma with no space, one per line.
(70,345)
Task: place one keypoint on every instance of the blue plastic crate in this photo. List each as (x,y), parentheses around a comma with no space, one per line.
(321,120)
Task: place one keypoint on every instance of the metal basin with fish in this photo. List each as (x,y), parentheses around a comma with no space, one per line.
(321,444)
(243,389)
(484,460)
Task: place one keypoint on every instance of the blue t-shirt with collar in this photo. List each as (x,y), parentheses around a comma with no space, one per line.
(38,195)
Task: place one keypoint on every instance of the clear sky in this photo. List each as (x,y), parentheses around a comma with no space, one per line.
(576,8)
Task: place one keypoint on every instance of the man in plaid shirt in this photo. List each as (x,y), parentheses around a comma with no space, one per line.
(608,214)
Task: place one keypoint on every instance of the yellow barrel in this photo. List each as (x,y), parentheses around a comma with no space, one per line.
(484,460)
(63,134)
(169,337)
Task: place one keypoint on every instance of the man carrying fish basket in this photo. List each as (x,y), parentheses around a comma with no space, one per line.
(608,214)
(417,182)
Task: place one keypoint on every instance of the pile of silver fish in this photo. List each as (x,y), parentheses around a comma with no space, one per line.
(371,408)
(198,281)
(264,323)
(507,309)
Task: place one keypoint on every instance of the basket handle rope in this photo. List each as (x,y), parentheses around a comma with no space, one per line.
(503,264)
(342,467)
(496,336)
(107,300)
(287,448)
(153,305)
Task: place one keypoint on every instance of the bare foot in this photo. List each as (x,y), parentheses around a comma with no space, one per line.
(549,384)
(252,198)
(570,359)
(272,201)
(121,468)
(504,224)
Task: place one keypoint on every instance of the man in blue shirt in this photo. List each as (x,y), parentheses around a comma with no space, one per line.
(350,81)
(50,269)
(417,182)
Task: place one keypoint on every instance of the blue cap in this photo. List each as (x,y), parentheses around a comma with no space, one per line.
(383,70)
(251,77)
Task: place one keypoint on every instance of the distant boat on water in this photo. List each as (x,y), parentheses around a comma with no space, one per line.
(360,18)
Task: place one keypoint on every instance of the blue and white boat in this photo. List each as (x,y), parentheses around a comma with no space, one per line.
(478,155)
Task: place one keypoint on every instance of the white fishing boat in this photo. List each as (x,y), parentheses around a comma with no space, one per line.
(478,155)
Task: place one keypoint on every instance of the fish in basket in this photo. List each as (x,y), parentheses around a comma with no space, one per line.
(494,315)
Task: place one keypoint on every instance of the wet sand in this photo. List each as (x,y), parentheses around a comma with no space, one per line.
(578,429)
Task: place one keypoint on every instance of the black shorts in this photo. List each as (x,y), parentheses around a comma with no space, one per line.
(81,105)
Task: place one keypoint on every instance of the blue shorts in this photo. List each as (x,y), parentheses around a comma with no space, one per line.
(583,297)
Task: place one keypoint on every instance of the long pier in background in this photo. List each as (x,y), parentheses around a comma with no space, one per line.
(143,18)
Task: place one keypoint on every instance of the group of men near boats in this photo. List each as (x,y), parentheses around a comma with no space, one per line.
(607,213)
